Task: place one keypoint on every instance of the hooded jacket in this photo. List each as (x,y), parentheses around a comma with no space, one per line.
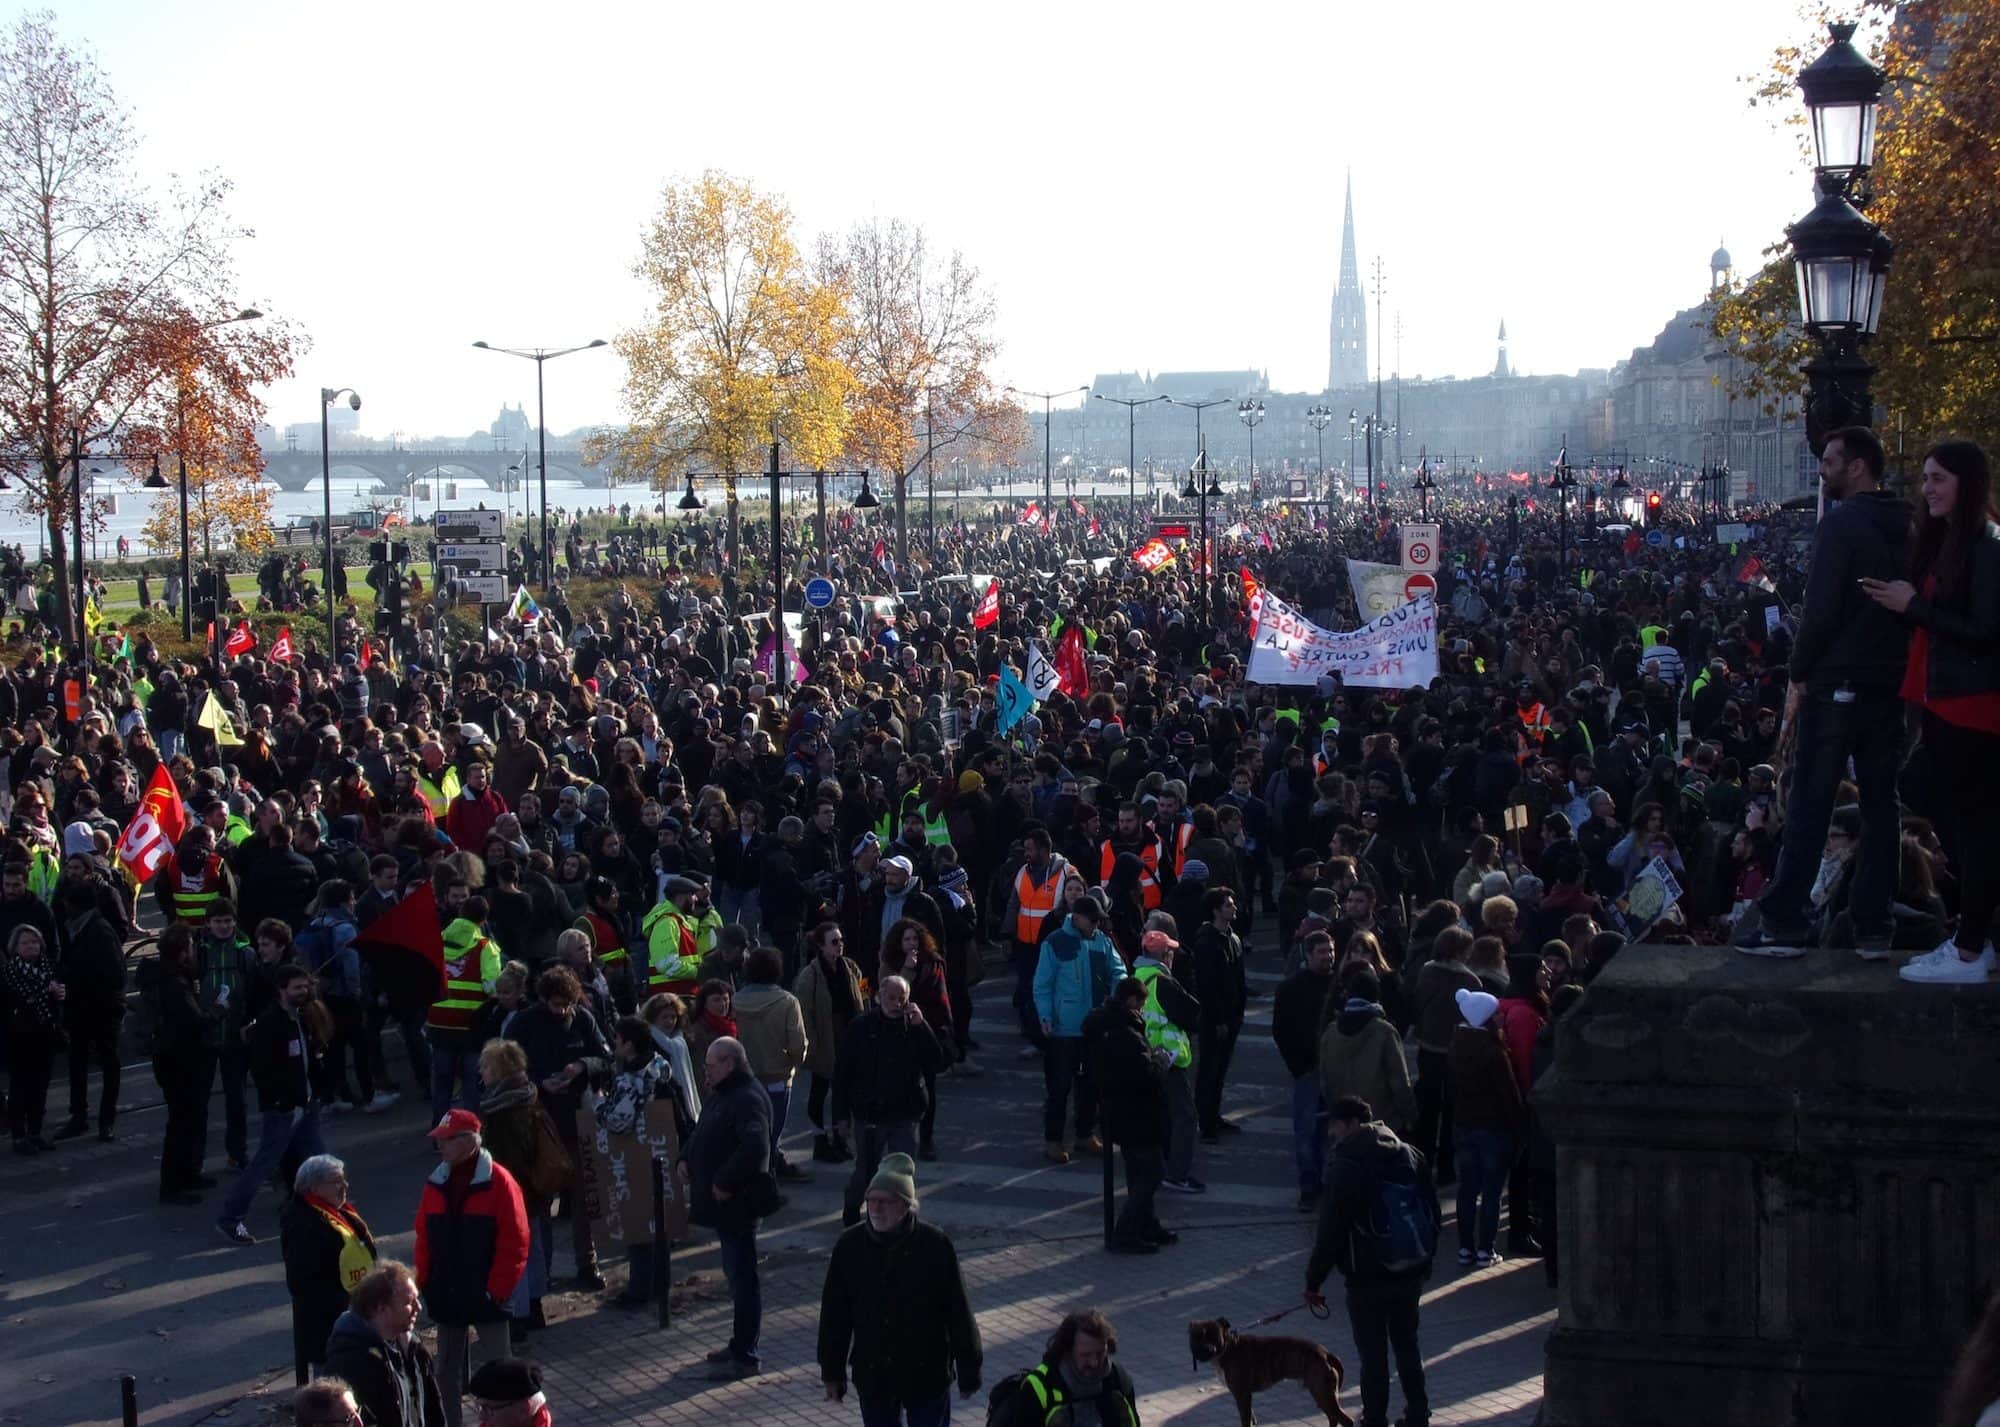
(772,1028)
(1073,976)
(1371,1153)
(1361,1054)
(1845,638)
(470,1261)
(1295,1016)
(394,1384)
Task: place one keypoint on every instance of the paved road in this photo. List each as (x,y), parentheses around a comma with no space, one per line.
(97,1279)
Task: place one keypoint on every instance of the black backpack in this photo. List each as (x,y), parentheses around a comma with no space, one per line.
(1003,1401)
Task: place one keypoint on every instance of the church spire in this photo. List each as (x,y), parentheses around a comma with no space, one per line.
(1500,368)
(1347,364)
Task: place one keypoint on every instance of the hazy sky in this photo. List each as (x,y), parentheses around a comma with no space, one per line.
(1144,187)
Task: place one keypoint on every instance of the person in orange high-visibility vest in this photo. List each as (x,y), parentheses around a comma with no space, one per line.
(1131,836)
(1037,887)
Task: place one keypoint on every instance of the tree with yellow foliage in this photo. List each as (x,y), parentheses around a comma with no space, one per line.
(744,341)
(1935,190)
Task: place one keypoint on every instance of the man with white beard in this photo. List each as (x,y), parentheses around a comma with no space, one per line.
(894,1309)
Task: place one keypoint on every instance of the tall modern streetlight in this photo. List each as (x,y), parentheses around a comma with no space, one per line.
(539,355)
(1353,430)
(1131,405)
(1842,258)
(327,397)
(1424,485)
(1250,411)
(1203,487)
(1198,407)
(1562,483)
(1321,417)
(1047,398)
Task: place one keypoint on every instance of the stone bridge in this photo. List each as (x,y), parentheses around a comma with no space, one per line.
(297,470)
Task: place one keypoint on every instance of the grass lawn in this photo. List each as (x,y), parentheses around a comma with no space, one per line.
(122,596)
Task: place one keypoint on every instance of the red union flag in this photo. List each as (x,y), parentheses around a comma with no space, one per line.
(154,829)
(1069,662)
(282,649)
(1032,515)
(1152,555)
(241,640)
(989,606)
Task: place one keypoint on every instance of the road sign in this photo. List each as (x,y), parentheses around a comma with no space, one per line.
(487,556)
(1420,584)
(465,526)
(819,593)
(1420,547)
(1295,487)
(472,549)
(1656,538)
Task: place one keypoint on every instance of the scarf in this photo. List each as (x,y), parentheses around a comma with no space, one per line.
(680,1067)
(509,1094)
(356,1258)
(27,985)
(721,1025)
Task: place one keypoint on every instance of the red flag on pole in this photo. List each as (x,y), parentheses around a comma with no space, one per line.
(404,947)
(1070,671)
(241,639)
(282,649)
(155,827)
(881,549)
(989,606)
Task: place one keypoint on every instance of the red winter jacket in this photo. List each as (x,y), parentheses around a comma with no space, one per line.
(1519,1024)
(469,1263)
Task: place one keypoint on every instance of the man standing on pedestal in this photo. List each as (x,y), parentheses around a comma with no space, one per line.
(1847,666)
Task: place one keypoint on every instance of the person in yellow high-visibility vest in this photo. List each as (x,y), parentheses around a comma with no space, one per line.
(437,781)
(673,960)
(471,967)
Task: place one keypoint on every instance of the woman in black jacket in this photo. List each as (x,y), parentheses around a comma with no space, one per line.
(327,1249)
(1953,675)
(187,1033)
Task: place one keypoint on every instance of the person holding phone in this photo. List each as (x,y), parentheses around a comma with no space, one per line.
(1952,605)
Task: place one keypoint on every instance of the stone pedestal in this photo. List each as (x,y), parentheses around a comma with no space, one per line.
(1779,1190)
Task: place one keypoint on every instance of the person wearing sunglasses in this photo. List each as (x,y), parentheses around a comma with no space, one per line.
(328,1402)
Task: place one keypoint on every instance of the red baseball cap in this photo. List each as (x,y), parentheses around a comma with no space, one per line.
(456,1122)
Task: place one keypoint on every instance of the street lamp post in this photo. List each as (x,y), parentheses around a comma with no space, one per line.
(1131,405)
(1353,430)
(777,475)
(1562,482)
(539,355)
(1250,411)
(1841,257)
(1321,417)
(1424,484)
(1198,407)
(327,397)
(1203,487)
(1047,398)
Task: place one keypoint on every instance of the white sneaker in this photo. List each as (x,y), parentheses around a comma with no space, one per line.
(382,1101)
(1946,948)
(1952,970)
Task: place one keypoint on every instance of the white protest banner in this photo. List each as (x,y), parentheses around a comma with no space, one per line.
(1398,650)
(1377,588)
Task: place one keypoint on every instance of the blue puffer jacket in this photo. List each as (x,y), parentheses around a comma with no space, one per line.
(1074,976)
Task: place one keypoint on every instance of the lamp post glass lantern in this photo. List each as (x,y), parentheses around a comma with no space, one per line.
(540,355)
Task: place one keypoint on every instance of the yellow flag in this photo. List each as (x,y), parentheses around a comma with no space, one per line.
(217,722)
(92,617)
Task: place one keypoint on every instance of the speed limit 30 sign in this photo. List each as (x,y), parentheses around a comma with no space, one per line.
(1420,548)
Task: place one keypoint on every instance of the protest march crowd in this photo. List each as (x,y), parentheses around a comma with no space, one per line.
(635,871)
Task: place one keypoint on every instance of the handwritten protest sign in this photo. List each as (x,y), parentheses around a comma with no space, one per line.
(617,1178)
(1397,650)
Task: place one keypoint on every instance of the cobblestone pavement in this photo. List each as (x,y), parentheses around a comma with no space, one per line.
(97,1279)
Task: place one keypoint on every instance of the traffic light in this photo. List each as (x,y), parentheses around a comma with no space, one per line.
(1652,507)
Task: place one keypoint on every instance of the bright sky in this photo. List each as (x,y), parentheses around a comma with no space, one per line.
(1152,187)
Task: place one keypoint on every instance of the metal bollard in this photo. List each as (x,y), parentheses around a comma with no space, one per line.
(128,1393)
(1110,1218)
(663,1249)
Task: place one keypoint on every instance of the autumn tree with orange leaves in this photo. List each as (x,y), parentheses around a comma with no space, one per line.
(113,301)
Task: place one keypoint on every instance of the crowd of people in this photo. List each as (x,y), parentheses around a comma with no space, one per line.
(672,869)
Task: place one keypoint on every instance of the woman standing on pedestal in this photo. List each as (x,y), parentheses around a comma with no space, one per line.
(1953,600)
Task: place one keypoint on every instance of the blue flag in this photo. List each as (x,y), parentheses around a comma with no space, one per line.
(1014,699)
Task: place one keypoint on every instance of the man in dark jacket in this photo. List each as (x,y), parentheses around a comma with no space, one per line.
(279,883)
(1295,1022)
(878,1084)
(564,1045)
(1385,1271)
(728,1160)
(894,1307)
(1221,984)
(1847,665)
(375,1350)
(93,975)
(285,1055)
(1131,1085)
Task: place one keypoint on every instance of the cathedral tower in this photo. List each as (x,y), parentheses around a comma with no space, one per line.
(1348,362)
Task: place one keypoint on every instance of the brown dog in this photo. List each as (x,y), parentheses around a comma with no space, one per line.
(1248,1365)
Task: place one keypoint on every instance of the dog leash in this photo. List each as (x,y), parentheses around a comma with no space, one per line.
(1319,1310)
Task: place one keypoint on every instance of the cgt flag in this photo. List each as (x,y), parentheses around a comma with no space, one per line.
(1155,554)
(988,611)
(241,639)
(155,828)
(282,647)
